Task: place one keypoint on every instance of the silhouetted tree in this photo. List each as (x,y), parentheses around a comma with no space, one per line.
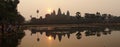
(47,15)
(98,14)
(40,18)
(78,15)
(8,13)
(37,12)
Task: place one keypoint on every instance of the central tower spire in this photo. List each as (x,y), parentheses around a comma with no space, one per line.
(59,12)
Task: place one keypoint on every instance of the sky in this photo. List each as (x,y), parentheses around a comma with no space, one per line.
(29,7)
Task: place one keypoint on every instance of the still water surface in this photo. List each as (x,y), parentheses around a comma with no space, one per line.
(93,37)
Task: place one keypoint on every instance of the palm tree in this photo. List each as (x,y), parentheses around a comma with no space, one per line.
(37,12)
(78,15)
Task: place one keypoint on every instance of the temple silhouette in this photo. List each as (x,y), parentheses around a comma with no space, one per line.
(66,18)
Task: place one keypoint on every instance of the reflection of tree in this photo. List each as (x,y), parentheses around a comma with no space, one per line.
(11,39)
(97,31)
(78,35)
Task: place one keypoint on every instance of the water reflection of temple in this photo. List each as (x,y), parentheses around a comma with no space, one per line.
(59,34)
(62,32)
(55,33)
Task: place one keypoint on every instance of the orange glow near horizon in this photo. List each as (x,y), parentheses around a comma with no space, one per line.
(50,38)
(49,10)
(28,7)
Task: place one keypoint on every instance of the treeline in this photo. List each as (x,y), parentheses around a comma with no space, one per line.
(62,18)
(9,13)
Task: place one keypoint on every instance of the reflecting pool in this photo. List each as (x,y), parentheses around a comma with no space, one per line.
(71,37)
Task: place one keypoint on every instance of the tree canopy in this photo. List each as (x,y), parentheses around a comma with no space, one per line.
(9,13)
